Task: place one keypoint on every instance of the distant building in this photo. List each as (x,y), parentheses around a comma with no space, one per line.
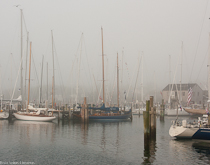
(199,96)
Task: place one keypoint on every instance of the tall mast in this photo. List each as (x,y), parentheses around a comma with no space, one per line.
(78,70)
(117,83)
(40,101)
(53,78)
(209,73)
(29,78)
(47,82)
(103,65)
(169,74)
(121,97)
(24,97)
(142,88)
(21,54)
(181,76)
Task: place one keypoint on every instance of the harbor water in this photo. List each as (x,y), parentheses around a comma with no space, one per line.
(107,142)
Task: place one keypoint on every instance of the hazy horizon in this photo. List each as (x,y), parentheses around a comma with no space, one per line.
(141,32)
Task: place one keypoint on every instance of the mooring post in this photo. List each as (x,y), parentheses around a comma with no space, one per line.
(209,119)
(84,113)
(10,113)
(152,119)
(162,111)
(69,112)
(146,121)
(58,114)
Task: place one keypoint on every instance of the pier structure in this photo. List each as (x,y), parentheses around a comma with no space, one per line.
(84,111)
(162,111)
(150,120)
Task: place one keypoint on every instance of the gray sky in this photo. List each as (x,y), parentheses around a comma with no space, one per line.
(155,29)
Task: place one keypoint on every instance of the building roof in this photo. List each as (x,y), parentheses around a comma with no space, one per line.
(184,87)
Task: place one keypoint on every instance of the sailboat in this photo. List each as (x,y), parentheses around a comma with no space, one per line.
(199,129)
(101,113)
(173,88)
(36,114)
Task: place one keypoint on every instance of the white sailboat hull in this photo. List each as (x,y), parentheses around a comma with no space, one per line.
(33,118)
(4,115)
(182,132)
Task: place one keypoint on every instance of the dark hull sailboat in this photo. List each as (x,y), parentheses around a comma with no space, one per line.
(107,113)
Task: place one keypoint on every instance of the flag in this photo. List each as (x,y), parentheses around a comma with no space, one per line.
(180,107)
(207,112)
(189,96)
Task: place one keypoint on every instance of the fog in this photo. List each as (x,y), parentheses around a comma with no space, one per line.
(158,42)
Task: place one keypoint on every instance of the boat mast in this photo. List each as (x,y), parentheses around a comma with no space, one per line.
(103,65)
(209,74)
(142,88)
(121,97)
(118,105)
(40,101)
(47,82)
(24,97)
(53,78)
(29,78)
(21,54)
(169,100)
(181,76)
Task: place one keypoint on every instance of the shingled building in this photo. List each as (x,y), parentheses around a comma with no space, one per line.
(180,92)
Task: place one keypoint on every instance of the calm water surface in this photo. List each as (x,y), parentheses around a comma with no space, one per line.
(24,142)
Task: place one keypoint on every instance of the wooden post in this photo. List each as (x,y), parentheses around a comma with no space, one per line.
(162,111)
(84,111)
(152,119)
(58,114)
(69,112)
(146,121)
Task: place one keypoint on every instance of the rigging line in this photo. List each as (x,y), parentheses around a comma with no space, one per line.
(198,40)
(99,97)
(75,58)
(7,78)
(113,87)
(87,62)
(35,68)
(95,84)
(173,82)
(16,80)
(184,55)
(131,81)
(62,84)
(202,64)
(136,79)
(24,22)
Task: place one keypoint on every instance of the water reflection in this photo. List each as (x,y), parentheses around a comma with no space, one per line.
(31,132)
(84,131)
(149,150)
(203,149)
